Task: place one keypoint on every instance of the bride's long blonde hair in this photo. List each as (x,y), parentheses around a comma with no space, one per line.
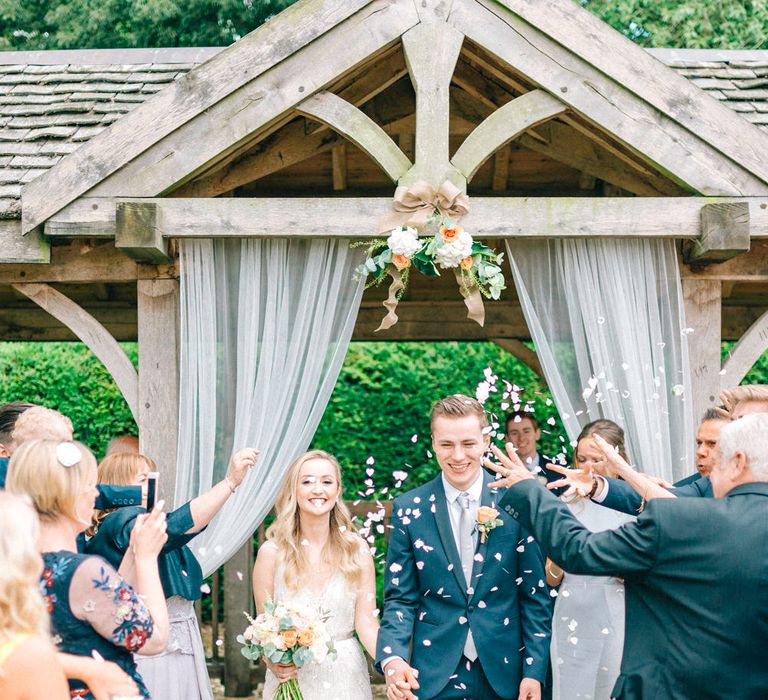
(343,549)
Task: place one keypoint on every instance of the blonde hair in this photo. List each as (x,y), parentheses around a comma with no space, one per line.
(343,549)
(54,488)
(22,610)
(458,406)
(39,422)
(118,469)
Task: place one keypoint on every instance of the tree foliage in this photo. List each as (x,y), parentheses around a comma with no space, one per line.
(82,24)
(725,24)
(89,24)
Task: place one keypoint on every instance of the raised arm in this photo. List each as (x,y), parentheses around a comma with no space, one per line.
(646,487)
(204,507)
(624,552)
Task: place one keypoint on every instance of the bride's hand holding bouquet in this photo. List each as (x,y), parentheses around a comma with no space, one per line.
(287,635)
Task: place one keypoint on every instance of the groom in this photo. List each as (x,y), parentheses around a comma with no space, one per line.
(467,614)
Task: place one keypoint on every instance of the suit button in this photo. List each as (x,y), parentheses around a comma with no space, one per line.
(471,608)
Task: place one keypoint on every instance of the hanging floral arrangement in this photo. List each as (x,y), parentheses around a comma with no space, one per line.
(478,268)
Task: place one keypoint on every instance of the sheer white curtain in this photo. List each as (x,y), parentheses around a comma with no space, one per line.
(265,325)
(607,320)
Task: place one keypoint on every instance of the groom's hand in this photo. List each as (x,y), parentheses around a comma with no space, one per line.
(401,679)
(511,468)
(530,689)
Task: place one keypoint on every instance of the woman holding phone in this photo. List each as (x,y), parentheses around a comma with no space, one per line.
(178,673)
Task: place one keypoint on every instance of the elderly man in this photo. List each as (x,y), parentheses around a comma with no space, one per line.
(697,619)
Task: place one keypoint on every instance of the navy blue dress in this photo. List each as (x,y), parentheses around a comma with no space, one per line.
(94,613)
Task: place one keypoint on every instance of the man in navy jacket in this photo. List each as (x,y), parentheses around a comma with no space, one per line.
(467,613)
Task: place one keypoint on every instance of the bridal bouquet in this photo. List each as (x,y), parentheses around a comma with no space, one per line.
(288,633)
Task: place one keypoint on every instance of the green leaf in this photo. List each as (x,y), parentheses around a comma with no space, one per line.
(424,264)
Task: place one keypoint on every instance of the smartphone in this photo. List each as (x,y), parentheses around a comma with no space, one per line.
(151,490)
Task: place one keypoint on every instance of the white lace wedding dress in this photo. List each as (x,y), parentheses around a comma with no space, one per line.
(346,677)
(588,621)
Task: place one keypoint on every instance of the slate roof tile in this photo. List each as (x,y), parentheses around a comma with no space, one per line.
(52,102)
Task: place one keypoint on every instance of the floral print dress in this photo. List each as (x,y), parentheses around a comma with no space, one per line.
(94,613)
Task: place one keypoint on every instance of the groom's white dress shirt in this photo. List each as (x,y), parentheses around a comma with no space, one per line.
(454,507)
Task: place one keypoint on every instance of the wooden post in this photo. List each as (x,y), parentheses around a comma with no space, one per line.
(703,314)
(158,331)
(237,600)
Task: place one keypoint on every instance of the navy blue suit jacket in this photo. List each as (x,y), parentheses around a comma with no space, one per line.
(622,497)
(687,590)
(427,604)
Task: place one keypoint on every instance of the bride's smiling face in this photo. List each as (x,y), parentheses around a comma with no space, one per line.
(318,487)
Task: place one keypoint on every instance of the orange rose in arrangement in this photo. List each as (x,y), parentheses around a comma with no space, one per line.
(485,514)
(449,234)
(289,637)
(466,264)
(400,261)
(306,638)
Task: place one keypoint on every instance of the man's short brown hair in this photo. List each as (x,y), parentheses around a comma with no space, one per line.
(520,416)
(458,406)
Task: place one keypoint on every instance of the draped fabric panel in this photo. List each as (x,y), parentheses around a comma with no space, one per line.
(265,326)
(607,320)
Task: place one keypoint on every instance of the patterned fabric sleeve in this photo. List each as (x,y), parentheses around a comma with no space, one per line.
(99,596)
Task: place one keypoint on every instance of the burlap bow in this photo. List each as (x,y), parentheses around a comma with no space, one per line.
(415,204)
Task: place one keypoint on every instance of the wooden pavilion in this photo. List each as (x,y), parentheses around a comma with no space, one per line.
(555,124)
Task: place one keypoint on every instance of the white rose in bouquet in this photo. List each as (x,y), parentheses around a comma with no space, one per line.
(404,241)
(451,253)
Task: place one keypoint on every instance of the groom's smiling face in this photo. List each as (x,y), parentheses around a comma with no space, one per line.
(459,444)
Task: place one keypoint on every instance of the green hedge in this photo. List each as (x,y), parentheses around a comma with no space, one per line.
(69,378)
(379,408)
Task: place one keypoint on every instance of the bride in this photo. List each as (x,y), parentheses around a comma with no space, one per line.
(313,555)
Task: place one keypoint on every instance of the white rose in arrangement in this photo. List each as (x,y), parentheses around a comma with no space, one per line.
(404,241)
(451,254)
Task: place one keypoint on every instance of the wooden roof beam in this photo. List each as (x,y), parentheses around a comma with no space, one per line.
(505,125)
(214,109)
(611,98)
(355,217)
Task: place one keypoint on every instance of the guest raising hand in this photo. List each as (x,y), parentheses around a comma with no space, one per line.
(179,672)
(94,611)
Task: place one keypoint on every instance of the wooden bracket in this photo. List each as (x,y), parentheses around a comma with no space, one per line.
(92,333)
(17,248)
(724,233)
(137,233)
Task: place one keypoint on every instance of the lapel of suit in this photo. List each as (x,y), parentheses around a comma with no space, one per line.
(443,521)
(486,498)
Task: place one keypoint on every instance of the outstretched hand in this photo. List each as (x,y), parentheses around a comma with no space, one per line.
(616,463)
(511,469)
(576,482)
(242,461)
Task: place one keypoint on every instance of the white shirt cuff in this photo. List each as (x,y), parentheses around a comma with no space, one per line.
(600,497)
(387,660)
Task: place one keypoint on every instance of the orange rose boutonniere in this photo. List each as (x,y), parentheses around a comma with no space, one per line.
(487,520)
